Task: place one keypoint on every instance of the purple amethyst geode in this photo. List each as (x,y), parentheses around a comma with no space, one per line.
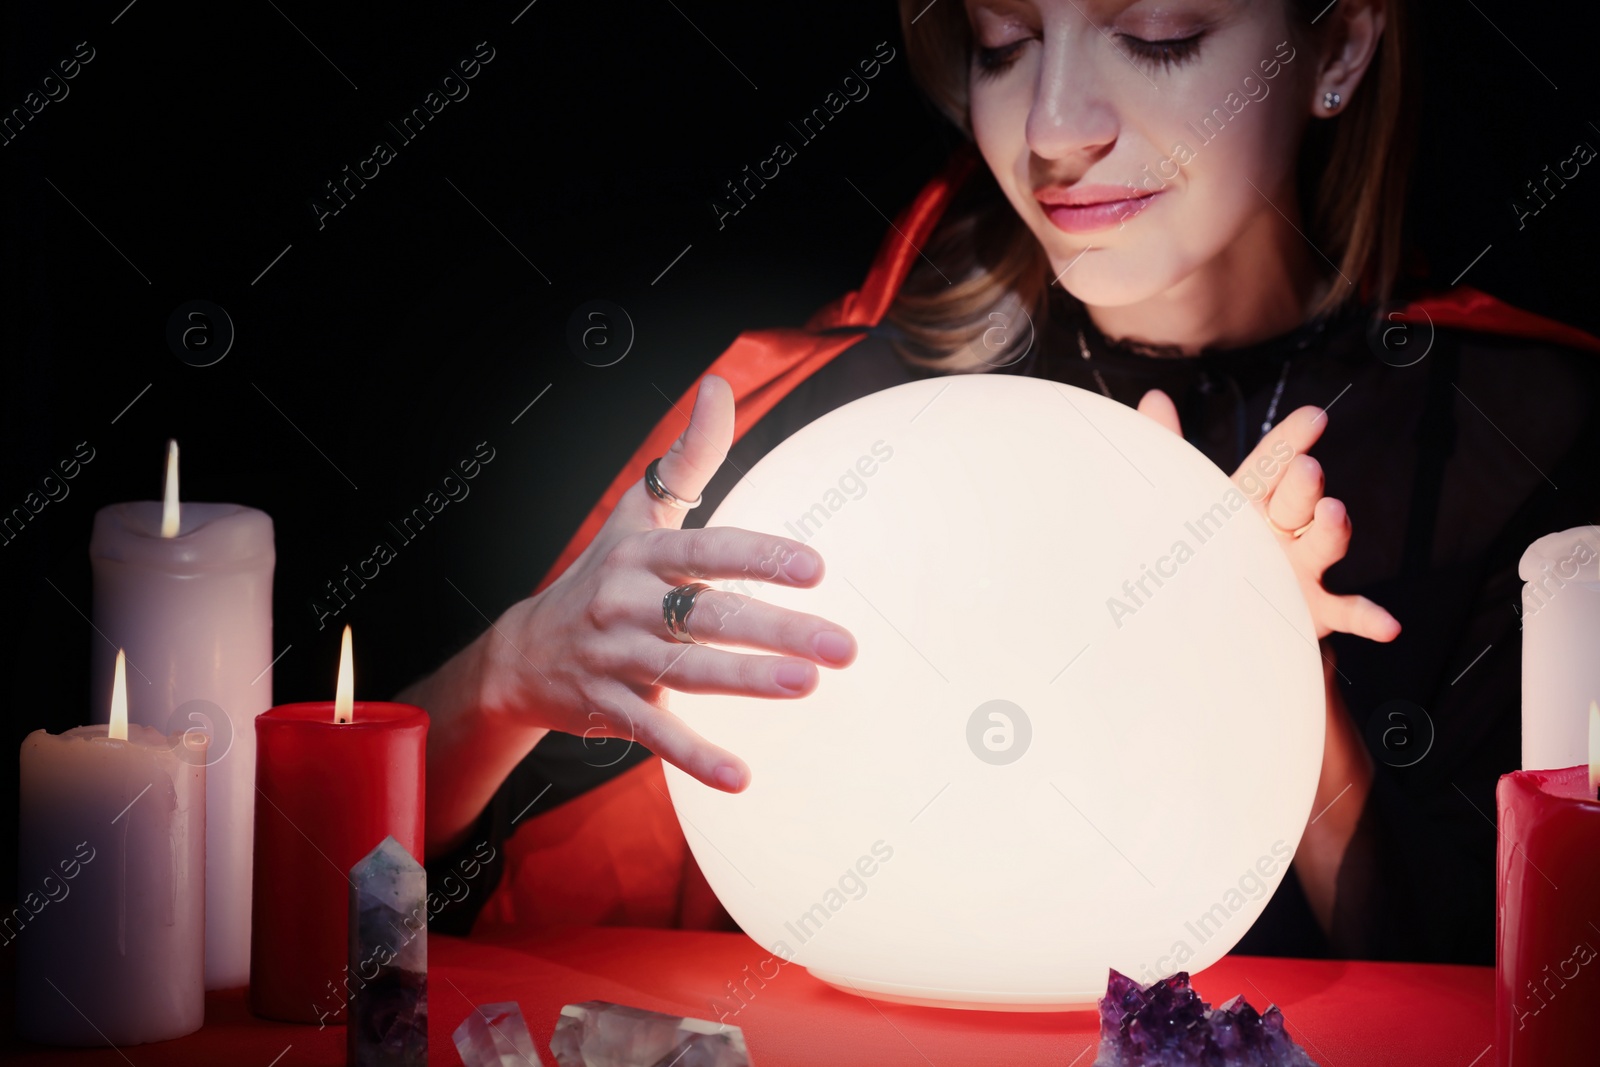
(1166,1024)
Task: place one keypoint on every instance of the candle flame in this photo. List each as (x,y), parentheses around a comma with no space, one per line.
(118,730)
(1594,746)
(169,497)
(344,696)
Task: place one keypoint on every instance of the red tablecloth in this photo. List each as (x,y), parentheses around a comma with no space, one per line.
(1345,1014)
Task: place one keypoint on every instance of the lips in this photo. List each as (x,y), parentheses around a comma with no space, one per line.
(1087,208)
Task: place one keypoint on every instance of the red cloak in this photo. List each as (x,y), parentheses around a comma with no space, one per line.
(617,855)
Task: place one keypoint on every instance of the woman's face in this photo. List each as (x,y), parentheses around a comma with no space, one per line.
(1139,140)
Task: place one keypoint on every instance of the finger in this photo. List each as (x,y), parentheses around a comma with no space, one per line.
(669,737)
(1264,467)
(1293,502)
(728,552)
(1358,616)
(1159,406)
(1329,537)
(691,668)
(689,464)
(720,617)
(1326,543)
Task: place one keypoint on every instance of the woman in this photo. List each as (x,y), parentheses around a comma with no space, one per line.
(1193,207)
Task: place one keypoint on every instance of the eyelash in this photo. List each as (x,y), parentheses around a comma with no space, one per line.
(1168,53)
(1165,53)
(993,62)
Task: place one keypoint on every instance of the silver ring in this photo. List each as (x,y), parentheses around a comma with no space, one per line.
(675,608)
(652,482)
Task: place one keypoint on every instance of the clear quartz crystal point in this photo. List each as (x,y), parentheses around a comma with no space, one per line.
(495,1035)
(600,1034)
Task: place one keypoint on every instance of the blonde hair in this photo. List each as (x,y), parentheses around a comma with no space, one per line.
(986,265)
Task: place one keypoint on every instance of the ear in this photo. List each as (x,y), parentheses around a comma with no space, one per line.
(1351,43)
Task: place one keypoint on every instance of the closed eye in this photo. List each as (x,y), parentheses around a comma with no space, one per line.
(1166,53)
(995,61)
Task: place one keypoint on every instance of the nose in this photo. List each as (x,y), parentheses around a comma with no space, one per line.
(1071,113)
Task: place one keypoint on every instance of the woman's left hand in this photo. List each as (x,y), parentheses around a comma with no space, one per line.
(1285,486)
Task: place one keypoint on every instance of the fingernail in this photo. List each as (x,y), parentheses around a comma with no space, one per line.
(832,645)
(802,568)
(793,675)
(729,777)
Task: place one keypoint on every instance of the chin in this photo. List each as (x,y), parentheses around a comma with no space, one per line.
(1110,277)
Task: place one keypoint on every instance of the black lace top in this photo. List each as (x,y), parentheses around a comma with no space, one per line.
(1452,453)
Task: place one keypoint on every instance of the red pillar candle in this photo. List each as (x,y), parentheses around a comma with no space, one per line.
(1547,951)
(328,792)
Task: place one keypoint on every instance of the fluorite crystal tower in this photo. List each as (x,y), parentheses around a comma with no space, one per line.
(1166,1024)
(388,971)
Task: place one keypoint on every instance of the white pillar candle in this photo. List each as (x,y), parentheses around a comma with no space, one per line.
(1560,646)
(194,611)
(112,873)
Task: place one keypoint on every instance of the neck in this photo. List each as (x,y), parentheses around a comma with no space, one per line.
(1265,283)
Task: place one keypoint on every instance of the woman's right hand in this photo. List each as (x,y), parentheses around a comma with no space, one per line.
(591,655)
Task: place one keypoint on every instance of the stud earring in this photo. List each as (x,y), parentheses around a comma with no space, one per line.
(1331,100)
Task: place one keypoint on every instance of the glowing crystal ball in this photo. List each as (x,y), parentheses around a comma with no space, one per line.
(1084,727)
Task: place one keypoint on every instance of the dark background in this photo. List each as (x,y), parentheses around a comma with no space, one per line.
(411,327)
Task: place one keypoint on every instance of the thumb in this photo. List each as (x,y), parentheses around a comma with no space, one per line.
(1159,406)
(688,466)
